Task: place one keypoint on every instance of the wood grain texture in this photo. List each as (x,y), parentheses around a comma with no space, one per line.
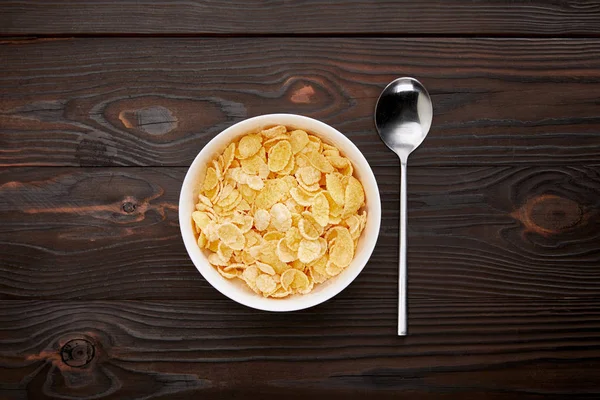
(426,17)
(112,233)
(98,298)
(155,102)
(467,349)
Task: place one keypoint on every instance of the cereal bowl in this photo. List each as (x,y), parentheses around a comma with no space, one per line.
(236,289)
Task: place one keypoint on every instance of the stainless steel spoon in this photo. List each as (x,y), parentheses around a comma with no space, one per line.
(403,117)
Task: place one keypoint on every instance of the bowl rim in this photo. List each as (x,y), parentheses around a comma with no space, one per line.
(322,130)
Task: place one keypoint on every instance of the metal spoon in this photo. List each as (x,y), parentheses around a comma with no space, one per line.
(403,117)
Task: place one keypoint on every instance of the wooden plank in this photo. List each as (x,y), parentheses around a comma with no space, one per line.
(112,233)
(468,349)
(501,17)
(154,102)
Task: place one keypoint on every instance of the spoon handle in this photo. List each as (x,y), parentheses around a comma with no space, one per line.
(402,265)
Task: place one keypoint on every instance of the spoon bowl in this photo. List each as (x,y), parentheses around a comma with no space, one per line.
(403,117)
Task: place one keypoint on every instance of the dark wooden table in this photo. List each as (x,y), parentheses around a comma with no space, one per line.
(104,104)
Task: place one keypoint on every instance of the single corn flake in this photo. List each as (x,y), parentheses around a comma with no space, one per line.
(252,165)
(263,171)
(302,197)
(266,284)
(348,170)
(307,215)
(314,188)
(213,193)
(279,293)
(284,253)
(205,200)
(232,236)
(270,142)
(224,193)
(218,170)
(273,235)
(201,219)
(252,238)
(243,221)
(319,161)
(333,269)
(211,232)
(242,205)
(301,160)
(317,141)
(224,251)
(202,241)
(248,193)
(228,156)
(231,201)
(335,210)
(251,272)
(308,175)
(318,270)
(307,229)
(293,280)
(341,251)
(288,168)
(210,180)
(354,196)
(265,268)
(249,146)
(337,161)
(298,140)
(274,191)
(229,273)
(311,146)
(213,246)
(363,220)
(335,187)
(353,224)
(262,219)
(281,217)
(320,209)
(293,238)
(308,250)
(250,275)
(274,131)
(329,150)
(255,183)
(294,207)
(299,265)
(214,259)
(324,246)
(238,175)
(279,155)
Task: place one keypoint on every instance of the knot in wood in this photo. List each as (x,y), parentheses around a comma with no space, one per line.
(77,352)
(155,120)
(555,214)
(549,214)
(128,207)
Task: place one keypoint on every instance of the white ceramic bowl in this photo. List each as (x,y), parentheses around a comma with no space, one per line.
(237,289)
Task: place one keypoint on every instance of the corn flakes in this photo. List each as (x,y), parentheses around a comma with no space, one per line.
(281,210)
